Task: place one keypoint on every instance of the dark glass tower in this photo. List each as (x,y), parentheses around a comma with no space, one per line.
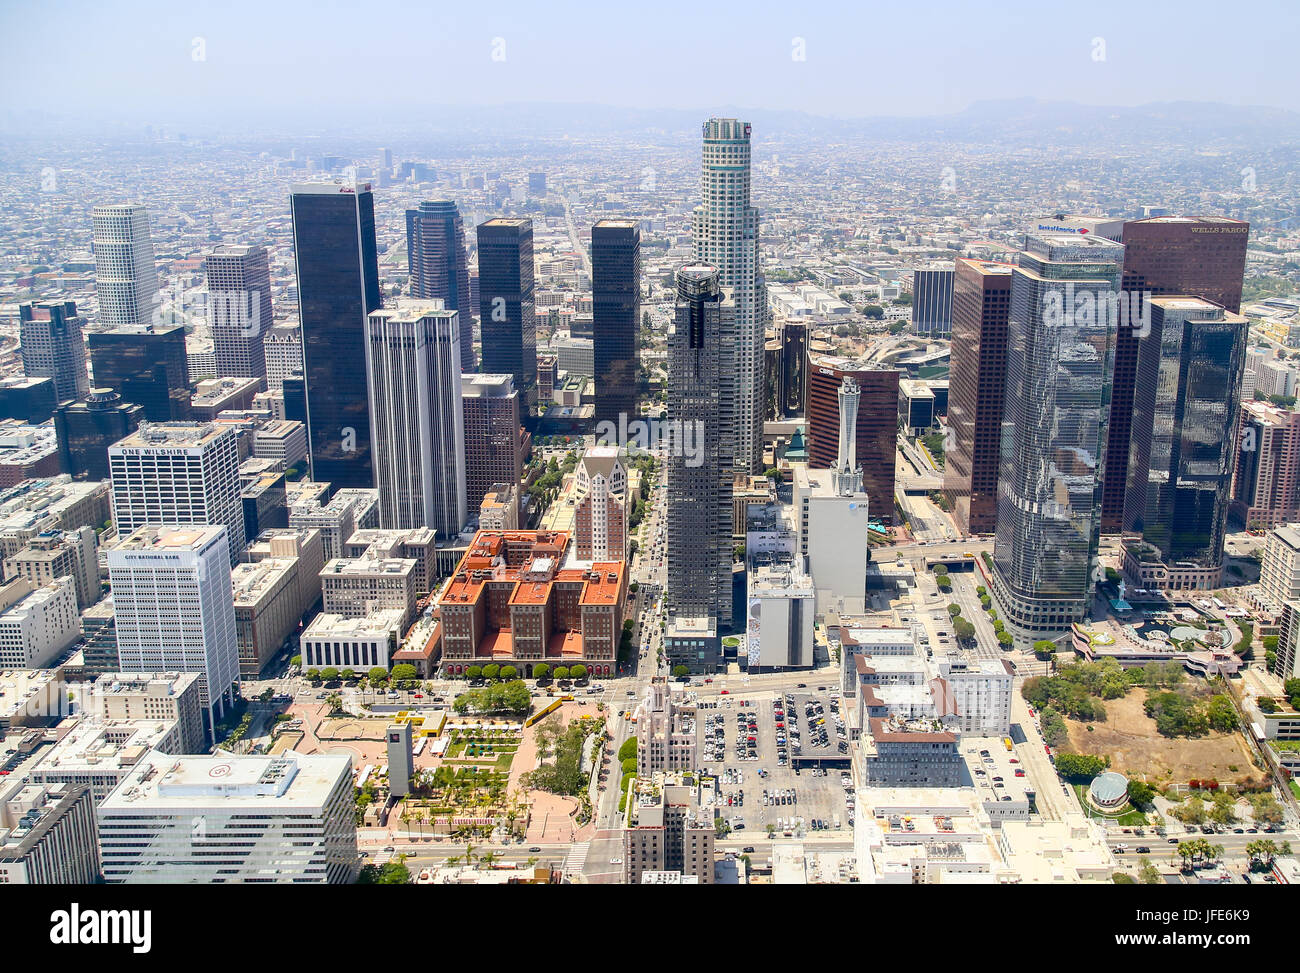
(338,286)
(435,254)
(85,430)
(146,366)
(615,309)
(1182,448)
(1167,255)
(507,316)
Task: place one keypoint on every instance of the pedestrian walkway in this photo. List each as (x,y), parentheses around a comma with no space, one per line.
(577,858)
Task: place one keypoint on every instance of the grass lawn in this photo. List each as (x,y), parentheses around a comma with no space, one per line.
(1295,789)
(1128,817)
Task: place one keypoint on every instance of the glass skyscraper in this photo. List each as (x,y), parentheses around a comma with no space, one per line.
(616,309)
(1060,339)
(1182,446)
(435,254)
(338,286)
(507,316)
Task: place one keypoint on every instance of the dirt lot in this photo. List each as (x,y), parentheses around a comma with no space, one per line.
(1135,749)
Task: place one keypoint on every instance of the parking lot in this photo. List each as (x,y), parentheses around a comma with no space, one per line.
(748,743)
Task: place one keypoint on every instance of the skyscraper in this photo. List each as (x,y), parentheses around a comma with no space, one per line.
(179,473)
(932,302)
(338,286)
(507,317)
(877,423)
(981,302)
(616,312)
(126,277)
(700,471)
(493,452)
(239,309)
(792,399)
(52,346)
(85,430)
(147,366)
(1190,256)
(726,236)
(1061,334)
(174,608)
(1185,411)
(413,365)
(435,254)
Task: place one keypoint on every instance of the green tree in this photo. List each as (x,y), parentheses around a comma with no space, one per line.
(627,750)
(1080,766)
(954,610)
(680,670)
(1140,793)
(541,670)
(578,672)
(491,670)
(1004,639)
(330,674)
(509,672)
(404,671)
(377,675)
(1044,648)
(561,672)
(1148,874)
(474,672)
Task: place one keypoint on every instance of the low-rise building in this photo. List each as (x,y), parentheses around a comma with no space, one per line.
(36,624)
(61,553)
(47,836)
(666,830)
(356,643)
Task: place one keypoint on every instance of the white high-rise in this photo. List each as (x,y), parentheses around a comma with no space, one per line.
(178,473)
(174,608)
(417,424)
(126,277)
(726,236)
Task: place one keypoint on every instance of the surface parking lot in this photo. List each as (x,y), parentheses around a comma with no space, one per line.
(747,743)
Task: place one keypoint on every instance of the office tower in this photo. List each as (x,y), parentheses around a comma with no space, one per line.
(338,285)
(401,761)
(1266,485)
(616,313)
(981,302)
(179,473)
(145,365)
(386,159)
(85,431)
(1164,256)
(174,608)
(666,830)
(493,451)
(126,277)
(439,267)
(792,399)
(202,820)
(507,317)
(700,345)
(601,505)
(877,426)
(282,349)
(1060,338)
(37,623)
(29,400)
(239,309)
(932,302)
(537,184)
(1185,413)
(47,834)
(546,366)
(846,474)
(726,236)
(417,427)
(51,344)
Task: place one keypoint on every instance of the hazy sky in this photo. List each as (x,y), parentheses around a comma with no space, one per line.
(141,60)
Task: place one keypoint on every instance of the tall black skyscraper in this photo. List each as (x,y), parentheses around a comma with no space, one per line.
(616,311)
(338,285)
(1186,406)
(146,366)
(507,316)
(435,253)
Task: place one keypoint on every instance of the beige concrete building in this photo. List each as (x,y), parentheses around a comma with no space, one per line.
(665,830)
(266,610)
(57,554)
(355,587)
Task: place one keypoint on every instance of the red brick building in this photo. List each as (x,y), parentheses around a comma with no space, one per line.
(510,602)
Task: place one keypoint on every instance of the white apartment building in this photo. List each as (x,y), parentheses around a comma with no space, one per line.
(175,610)
(283,348)
(178,473)
(281,440)
(47,835)
(165,696)
(231,819)
(37,623)
(981,690)
(1279,572)
(57,554)
(354,587)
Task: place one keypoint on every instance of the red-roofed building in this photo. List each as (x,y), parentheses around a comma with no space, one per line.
(510,602)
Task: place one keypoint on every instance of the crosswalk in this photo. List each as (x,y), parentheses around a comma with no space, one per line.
(576,859)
